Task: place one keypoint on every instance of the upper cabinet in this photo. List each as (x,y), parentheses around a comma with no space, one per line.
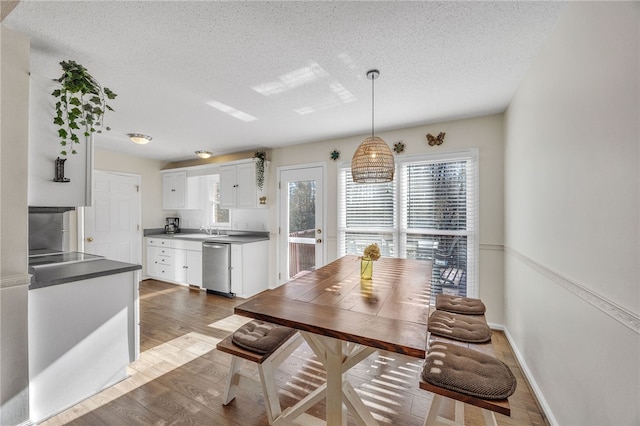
(179,191)
(238,187)
(174,190)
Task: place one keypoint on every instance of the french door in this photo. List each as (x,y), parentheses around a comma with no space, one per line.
(301,244)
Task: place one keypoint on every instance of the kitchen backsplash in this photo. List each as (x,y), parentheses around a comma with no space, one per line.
(242,219)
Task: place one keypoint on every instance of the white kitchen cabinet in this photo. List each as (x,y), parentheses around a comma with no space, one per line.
(173,260)
(238,188)
(249,268)
(180,191)
(174,190)
(159,259)
(187,267)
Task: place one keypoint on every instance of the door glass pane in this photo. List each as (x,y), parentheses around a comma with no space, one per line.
(302,226)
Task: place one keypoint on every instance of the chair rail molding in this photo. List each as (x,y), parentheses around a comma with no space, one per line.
(615,311)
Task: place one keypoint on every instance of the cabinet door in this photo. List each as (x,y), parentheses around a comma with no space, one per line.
(228,187)
(168,188)
(179,266)
(180,190)
(194,268)
(246,190)
(152,262)
(236,268)
(174,190)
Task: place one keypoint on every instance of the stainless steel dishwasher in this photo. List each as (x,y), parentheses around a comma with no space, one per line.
(216,268)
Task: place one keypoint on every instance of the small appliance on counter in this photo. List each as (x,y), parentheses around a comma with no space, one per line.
(172,226)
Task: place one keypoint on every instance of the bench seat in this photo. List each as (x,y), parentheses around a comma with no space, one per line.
(488,406)
(267,364)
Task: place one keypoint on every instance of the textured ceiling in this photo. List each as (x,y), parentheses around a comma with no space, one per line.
(236,76)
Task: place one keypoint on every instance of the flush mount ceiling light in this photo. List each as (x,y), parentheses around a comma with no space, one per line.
(204,154)
(139,138)
(373,160)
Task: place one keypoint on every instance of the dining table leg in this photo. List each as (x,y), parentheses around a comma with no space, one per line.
(338,356)
(336,410)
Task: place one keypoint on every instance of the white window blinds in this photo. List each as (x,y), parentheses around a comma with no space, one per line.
(428,212)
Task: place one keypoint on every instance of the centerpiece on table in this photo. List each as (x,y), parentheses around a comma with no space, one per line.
(371,254)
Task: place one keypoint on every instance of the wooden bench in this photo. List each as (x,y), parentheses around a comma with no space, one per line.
(488,406)
(267,364)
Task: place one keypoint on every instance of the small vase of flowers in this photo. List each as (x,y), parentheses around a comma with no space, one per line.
(371,254)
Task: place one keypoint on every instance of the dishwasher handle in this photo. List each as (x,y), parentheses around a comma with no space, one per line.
(215,245)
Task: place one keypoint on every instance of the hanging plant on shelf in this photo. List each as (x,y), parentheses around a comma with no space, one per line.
(260,157)
(80,105)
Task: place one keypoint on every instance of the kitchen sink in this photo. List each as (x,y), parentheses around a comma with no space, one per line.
(192,236)
(201,236)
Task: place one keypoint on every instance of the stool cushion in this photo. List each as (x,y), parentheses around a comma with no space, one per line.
(466,328)
(261,337)
(459,305)
(466,371)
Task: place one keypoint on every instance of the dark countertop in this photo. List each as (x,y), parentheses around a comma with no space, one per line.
(50,275)
(235,237)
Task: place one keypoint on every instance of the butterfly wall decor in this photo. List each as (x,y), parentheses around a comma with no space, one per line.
(435,140)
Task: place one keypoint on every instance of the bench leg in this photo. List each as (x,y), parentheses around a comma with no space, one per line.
(489,418)
(233,379)
(434,410)
(269,390)
(459,415)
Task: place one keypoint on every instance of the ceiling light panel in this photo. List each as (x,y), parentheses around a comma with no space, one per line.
(232,111)
(291,80)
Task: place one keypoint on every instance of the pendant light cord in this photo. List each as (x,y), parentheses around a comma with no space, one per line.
(372,103)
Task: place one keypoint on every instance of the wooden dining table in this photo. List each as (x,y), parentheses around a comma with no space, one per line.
(345,319)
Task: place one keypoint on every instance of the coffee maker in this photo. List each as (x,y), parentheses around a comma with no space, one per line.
(172,226)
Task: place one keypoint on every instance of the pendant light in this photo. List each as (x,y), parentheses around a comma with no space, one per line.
(373,160)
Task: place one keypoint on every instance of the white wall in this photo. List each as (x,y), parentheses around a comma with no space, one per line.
(484,133)
(572,192)
(44,148)
(14,279)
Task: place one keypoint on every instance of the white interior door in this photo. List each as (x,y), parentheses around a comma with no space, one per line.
(301,244)
(112,224)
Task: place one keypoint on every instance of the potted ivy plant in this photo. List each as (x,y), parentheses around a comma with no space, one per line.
(80,105)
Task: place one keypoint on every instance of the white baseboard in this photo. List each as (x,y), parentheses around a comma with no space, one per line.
(527,373)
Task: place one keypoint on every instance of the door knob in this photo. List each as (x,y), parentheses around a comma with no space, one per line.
(319,240)
(89,239)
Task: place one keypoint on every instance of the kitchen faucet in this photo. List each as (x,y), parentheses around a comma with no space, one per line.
(209,230)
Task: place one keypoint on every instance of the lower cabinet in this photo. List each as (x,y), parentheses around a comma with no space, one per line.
(180,262)
(187,267)
(249,268)
(159,259)
(176,261)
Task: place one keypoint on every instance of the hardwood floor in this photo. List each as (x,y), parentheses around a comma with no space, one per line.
(180,376)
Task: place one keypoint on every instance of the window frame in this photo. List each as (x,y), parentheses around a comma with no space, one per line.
(401,230)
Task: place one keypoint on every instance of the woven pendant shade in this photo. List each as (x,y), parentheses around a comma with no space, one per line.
(372,162)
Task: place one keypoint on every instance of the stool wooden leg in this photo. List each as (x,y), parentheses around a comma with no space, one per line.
(459,415)
(269,390)
(233,379)
(434,410)
(489,418)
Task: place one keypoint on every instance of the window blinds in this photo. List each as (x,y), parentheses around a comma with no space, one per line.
(428,212)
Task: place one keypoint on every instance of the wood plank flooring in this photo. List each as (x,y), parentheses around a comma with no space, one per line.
(180,376)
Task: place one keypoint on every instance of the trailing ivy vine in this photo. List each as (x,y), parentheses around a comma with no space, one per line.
(261,157)
(80,105)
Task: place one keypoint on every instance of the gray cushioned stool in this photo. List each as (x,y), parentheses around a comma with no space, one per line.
(265,344)
(466,328)
(460,305)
